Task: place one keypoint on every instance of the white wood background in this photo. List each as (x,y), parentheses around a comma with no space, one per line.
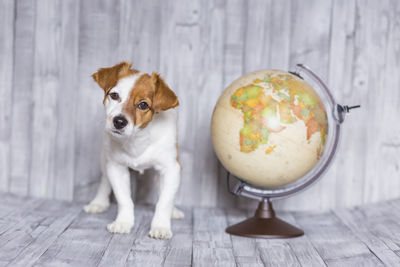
(51,111)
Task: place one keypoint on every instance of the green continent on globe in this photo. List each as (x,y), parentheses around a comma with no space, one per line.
(263,100)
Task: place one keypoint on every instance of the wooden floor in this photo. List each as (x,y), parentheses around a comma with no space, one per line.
(53,233)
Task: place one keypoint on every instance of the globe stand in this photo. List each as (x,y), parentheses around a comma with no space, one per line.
(265,224)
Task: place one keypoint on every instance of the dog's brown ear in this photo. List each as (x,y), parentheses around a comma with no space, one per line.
(107,78)
(164,98)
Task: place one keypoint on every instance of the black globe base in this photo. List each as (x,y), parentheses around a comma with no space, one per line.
(265,224)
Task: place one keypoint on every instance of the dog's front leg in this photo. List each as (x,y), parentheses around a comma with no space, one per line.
(119,178)
(169,183)
(101,201)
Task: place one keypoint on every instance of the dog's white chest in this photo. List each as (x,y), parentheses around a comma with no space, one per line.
(139,163)
(136,157)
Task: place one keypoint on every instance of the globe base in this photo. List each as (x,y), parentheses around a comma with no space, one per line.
(264,224)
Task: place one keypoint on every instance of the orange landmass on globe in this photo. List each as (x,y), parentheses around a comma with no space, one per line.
(260,111)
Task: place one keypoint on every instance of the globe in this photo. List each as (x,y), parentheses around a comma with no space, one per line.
(269,127)
(277,133)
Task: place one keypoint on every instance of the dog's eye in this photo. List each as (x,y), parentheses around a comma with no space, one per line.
(114,96)
(143,105)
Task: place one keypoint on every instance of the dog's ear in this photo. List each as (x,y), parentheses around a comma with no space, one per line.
(107,78)
(164,98)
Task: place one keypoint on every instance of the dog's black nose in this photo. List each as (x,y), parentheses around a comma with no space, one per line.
(119,122)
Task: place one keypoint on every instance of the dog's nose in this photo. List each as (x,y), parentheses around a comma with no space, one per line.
(119,122)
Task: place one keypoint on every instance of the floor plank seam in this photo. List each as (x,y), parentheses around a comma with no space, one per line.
(295,254)
(73,217)
(55,240)
(104,251)
(309,240)
(355,234)
(167,251)
(373,253)
(373,234)
(230,238)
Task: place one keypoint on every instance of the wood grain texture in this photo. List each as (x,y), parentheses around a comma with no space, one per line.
(385,140)
(210,86)
(44,95)
(6,76)
(341,64)
(64,172)
(211,245)
(49,233)
(58,233)
(51,116)
(22,103)
(369,232)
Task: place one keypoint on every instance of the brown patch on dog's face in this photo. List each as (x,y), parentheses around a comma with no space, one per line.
(107,78)
(142,92)
(149,95)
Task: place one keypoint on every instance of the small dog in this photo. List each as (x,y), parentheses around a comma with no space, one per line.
(140,133)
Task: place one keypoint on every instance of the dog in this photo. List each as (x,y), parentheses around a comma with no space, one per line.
(140,133)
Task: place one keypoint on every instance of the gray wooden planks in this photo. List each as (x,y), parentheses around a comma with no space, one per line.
(44,95)
(333,240)
(365,224)
(16,217)
(6,77)
(47,235)
(211,245)
(345,48)
(82,243)
(56,233)
(63,181)
(33,230)
(385,140)
(20,123)
(210,86)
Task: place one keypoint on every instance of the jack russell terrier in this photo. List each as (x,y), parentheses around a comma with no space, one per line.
(140,133)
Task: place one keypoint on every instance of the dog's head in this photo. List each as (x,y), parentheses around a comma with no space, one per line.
(131,98)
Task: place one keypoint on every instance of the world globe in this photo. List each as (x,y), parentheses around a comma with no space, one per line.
(269,127)
(277,132)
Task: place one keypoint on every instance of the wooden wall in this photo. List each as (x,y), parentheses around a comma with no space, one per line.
(51,111)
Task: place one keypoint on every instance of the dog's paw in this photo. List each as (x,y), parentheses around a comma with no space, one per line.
(119,227)
(177,214)
(95,207)
(160,233)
